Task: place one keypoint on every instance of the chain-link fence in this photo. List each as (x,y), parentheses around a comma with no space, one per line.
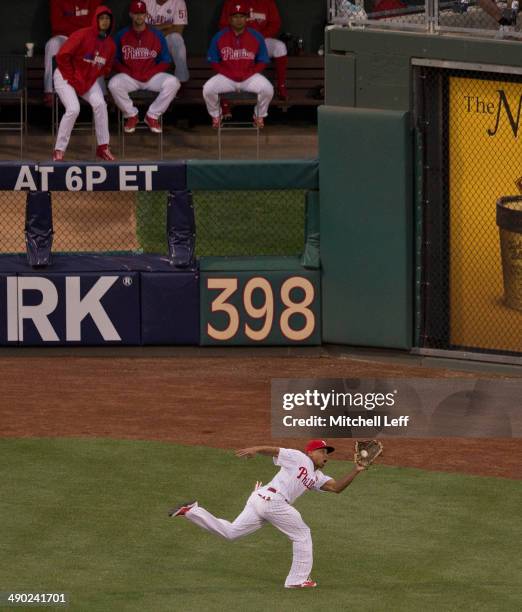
(471,256)
(232,223)
(489,18)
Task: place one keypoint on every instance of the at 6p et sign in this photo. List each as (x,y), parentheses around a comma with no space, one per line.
(261,308)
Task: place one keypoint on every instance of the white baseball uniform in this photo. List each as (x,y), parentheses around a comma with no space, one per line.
(69,98)
(272,503)
(172,12)
(52,47)
(122,84)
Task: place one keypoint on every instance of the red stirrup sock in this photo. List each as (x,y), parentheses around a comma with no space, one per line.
(280,69)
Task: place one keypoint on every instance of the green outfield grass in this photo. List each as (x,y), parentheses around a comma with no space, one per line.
(230,222)
(89,517)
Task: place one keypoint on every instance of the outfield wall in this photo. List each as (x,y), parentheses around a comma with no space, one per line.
(418,139)
(137,298)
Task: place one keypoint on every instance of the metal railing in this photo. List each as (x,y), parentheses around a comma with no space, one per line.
(431,16)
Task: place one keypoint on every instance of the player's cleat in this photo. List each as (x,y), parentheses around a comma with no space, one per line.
(226,111)
(48,99)
(307,584)
(258,122)
(104,153)
(154,124)
(58,155)
(216,123)
(282,92)
(182,509)
(130,124)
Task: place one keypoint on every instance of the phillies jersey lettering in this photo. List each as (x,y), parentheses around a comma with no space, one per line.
(309,483)
(141,55)
(137,53)
(95,59)
(172,12)
(238,55)
(227,53)
(296,476)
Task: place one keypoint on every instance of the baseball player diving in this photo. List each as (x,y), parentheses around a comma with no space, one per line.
(272,503)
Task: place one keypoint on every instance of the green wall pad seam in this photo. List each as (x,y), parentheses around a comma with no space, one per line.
(366,226)
(251,264)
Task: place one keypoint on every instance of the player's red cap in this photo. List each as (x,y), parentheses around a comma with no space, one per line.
(239,7)
(137,6)
(317,444)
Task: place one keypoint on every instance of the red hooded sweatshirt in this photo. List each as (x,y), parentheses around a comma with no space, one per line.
(67,16)
(87,55)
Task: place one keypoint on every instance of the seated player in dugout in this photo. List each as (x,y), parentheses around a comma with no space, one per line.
(86,56)
(170,18)
(264,17)
(238,54)
(66,16)
(142,60)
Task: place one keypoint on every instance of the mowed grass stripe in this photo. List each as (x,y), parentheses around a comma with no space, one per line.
(89,517)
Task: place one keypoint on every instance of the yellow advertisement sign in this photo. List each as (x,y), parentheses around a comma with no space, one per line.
(485,163)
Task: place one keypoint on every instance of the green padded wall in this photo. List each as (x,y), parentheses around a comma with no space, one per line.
(295,313)
(230,175)
(377,63)
(365,186)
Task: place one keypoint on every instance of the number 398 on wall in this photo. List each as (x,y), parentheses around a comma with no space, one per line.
(271,308)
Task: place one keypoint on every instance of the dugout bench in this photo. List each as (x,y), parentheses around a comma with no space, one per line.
(305,82)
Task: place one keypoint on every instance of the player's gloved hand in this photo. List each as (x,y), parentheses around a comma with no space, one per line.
(366,452)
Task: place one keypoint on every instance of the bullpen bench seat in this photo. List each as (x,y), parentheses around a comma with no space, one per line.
(305,81)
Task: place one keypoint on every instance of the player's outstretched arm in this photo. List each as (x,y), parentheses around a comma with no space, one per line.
(252,451)
(338,486)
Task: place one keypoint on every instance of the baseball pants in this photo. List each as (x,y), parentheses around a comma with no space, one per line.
(122,84)
(52,47)
(69,98)
(178,51)
(221,84)
(275,48)
(256,513)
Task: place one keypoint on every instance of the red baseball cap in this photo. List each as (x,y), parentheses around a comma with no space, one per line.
(137,7)
(317,444)
(239,8)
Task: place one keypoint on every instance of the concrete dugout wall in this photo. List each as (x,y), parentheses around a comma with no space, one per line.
(30,22)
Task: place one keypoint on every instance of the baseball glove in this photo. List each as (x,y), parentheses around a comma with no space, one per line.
(366,452)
